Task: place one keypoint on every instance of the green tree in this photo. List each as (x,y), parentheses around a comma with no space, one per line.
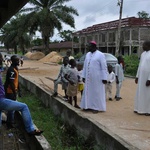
(14,34)
(66,35)
(131,64)
(37,42)
(5,37)
(48,15)
(143,14)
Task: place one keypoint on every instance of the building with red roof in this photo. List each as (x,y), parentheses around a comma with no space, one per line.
(134,31)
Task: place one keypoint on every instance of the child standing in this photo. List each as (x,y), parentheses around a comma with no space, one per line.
(80,82)
(110,80)
(119,77)
(72,77)
(61,79)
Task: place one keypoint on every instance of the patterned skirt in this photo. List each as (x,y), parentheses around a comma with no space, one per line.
(72,90)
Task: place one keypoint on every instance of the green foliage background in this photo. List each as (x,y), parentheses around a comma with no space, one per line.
(131,64)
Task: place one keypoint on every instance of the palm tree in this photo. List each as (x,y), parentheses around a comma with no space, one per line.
(143,14)
(8,37)
(14,34)
(48,15)
(66,35)
(5,38)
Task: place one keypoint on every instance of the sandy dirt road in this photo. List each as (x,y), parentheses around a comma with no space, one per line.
(119,117)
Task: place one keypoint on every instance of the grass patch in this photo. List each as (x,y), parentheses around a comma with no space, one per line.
(59,134)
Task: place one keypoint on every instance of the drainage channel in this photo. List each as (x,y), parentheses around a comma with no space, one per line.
(12,139)
(18,139)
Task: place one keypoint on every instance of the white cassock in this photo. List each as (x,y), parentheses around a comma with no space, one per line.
(94,71)
(142,99)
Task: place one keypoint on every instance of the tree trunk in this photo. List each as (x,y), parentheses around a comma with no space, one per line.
(22,49)
(46,45)
(15,49)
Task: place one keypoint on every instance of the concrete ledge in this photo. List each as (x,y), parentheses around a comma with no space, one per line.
(33,142)
(85,126)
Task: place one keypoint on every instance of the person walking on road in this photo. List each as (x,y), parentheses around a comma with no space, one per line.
(142,99)
(21,61)
(7,60)
(95,77)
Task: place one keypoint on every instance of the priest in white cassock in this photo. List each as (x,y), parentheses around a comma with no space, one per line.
(142,99)
(95,77)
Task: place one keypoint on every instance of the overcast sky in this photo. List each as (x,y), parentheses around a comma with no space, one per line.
(98,11)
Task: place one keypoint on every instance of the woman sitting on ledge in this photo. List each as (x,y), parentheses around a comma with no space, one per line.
(9,105)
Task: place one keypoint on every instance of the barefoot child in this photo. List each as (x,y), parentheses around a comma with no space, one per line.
(61,79)
(72,77)
(80,82)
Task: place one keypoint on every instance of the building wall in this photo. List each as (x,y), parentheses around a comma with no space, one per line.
(131,40)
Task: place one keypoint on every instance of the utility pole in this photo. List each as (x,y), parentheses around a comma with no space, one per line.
(120,4)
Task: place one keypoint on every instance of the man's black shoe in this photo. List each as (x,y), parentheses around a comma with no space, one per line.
(66,97)
(55,94)
(95,111)
(118,98)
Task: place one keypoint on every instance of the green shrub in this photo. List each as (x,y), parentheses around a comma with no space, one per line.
(131,64)
(78,55)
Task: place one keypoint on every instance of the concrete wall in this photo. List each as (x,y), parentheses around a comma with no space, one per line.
(33,142)
(84,125)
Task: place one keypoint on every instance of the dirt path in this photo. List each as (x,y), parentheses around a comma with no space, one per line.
(119,117)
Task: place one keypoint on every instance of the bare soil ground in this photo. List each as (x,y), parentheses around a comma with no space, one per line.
(119,117)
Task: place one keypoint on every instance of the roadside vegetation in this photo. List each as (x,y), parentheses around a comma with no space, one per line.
(131,64)
(58,133)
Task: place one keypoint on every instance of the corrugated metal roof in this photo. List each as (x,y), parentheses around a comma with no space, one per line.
(131,21)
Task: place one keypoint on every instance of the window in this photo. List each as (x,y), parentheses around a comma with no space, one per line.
(103,37)
(111,37)
(135,33)
(96,37)
(89,38)
(145,34)
(127,35)
(82,39)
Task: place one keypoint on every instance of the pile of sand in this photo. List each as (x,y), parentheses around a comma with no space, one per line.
(37,55)
(56,59)
(53,57)
(28,54)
